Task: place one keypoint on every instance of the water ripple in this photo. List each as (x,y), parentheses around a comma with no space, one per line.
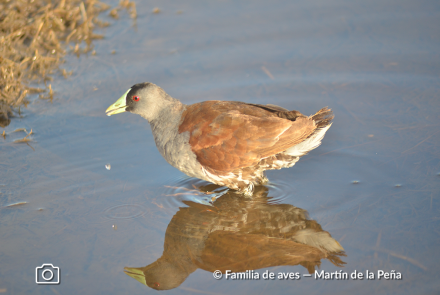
(125,211)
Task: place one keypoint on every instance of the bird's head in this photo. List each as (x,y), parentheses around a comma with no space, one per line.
(145,99)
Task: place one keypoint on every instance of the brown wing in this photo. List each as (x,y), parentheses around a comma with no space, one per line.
(226,135)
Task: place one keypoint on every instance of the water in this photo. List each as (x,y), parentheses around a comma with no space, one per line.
(375,63)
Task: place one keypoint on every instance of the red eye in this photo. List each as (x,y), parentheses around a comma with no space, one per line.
(135,98)
(156,285)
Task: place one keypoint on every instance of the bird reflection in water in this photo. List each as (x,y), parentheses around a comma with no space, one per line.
(237,234)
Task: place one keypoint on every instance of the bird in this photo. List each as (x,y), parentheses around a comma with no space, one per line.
(228,143)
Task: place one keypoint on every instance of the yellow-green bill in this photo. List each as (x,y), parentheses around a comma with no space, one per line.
(119,106)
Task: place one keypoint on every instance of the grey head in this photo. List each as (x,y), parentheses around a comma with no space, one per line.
(145,99)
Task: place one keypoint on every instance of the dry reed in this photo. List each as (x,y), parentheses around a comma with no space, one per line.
(34,37)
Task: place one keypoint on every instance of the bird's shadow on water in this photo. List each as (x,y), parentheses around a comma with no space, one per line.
(237,234)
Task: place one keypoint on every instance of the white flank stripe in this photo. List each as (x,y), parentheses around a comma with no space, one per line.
(309,144)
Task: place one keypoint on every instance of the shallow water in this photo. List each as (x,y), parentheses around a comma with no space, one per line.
(373,185)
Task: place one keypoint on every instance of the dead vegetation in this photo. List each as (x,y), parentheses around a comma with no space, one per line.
(34,38)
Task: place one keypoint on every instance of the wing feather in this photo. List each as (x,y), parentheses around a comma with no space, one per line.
(229,135)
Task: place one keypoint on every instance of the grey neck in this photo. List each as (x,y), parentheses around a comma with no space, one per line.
(168,117)
(165,129)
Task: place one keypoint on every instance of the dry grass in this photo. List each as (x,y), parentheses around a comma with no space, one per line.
(34,38)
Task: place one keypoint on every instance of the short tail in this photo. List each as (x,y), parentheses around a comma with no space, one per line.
(323,117)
